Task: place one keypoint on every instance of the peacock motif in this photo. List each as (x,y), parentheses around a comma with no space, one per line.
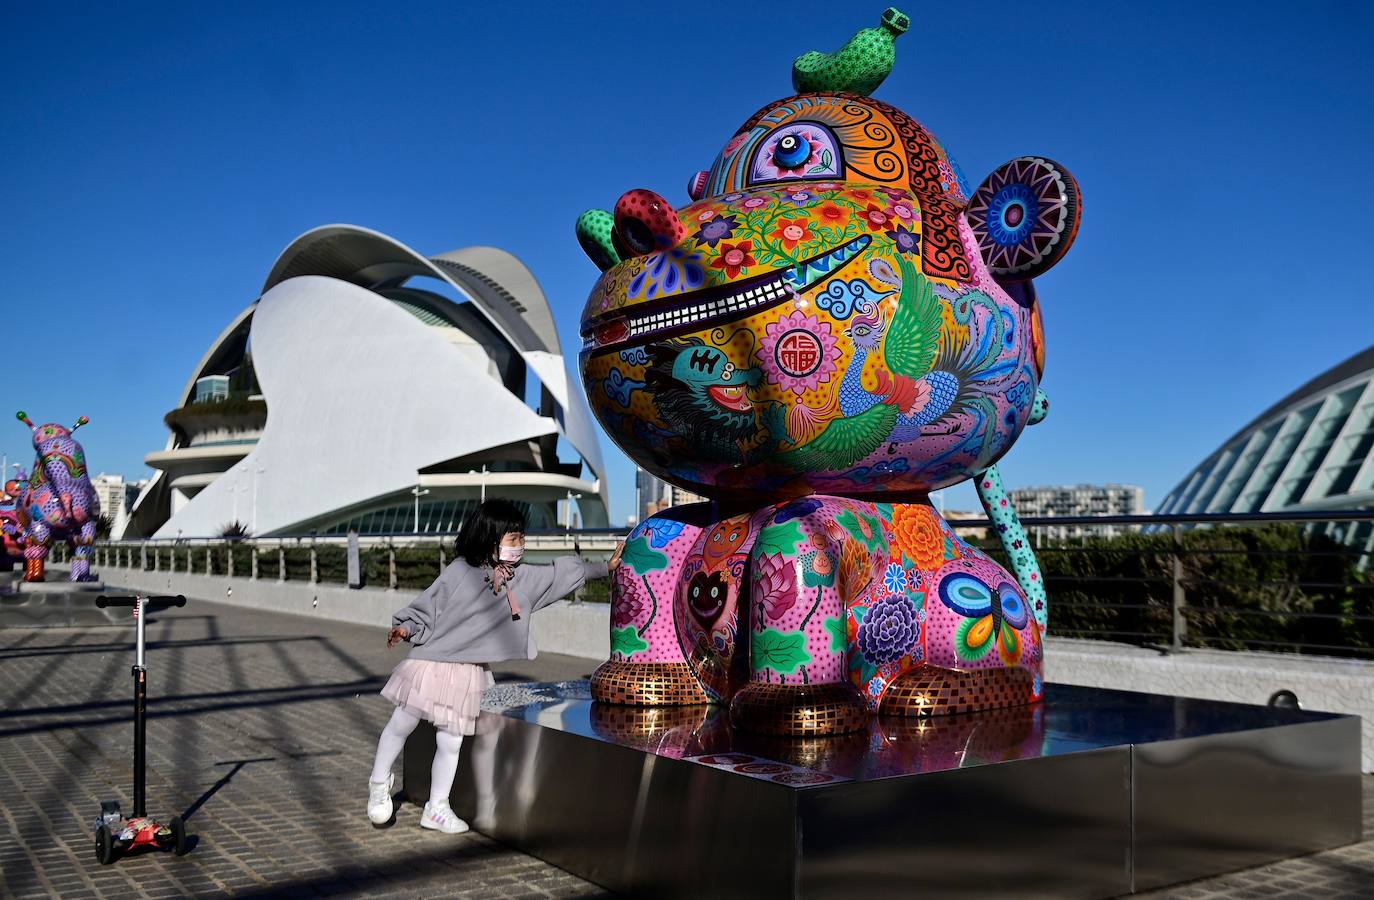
(930,372)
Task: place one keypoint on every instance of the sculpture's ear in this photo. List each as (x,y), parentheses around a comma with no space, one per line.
(1025,216)
(596,234)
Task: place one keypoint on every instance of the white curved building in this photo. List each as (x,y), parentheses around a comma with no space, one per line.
(1311,451)
(367,372)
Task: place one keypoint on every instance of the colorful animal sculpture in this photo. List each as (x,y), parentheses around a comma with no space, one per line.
(835,326)
(12,521)
(59,502)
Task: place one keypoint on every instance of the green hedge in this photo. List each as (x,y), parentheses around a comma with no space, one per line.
(1238,590)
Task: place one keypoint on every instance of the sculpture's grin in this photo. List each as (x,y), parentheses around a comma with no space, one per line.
(716,305)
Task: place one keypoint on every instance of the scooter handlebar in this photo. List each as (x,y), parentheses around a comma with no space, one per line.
(163,601)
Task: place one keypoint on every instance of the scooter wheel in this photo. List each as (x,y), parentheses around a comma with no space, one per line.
(104,845)
(178,827)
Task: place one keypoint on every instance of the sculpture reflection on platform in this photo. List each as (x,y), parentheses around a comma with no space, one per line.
(835,326)
(885,746)
(57,502)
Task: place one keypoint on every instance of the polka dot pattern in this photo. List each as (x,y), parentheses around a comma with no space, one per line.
(1013,537)
(856,68)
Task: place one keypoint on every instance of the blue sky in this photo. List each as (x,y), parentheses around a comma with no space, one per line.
(156,158)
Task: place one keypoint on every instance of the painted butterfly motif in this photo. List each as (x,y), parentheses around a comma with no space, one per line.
(991,617)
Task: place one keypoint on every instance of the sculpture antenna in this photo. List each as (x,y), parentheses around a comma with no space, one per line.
(856,68)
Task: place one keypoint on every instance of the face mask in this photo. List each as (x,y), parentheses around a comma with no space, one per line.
(510,554)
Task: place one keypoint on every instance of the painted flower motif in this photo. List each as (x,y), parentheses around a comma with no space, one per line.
(876,218)
(902,210)
(832,214)
(919,535)
(889,630)
(662,532)
(799,352)
(755,203)
(791,232)
(734,257)
(800,198)
(856,568)
(735,143)
(867,530)
(894,579)
(706,215)
(731,198)
(628,603)
(716,230)
(819,568)
(775,584)
(905,241)
(863,196)
(896,195)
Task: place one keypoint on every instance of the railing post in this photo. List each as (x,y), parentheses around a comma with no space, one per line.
(281,560)
(229,559)
(208,553)
(442,560)
(253,576)
(1177,599)
(391,564)
(314,563)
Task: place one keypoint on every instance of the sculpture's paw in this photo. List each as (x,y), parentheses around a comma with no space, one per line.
(933,691)
(798,709)
(647,684)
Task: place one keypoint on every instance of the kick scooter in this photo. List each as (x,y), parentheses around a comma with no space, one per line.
(114,834)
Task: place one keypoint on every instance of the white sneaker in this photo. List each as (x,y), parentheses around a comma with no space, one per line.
(440,817)
(379,801)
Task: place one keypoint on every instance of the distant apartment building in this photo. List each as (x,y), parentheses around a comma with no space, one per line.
(1076,500)
(116,499)
(654,495)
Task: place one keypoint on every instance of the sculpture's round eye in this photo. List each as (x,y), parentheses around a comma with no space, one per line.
(715,592)
(792,150)
(799,150)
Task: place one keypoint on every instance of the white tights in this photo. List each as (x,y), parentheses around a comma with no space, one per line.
(393,740)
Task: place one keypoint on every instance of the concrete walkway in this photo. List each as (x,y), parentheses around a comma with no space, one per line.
(261,732)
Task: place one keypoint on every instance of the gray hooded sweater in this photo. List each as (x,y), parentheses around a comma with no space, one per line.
(460,619)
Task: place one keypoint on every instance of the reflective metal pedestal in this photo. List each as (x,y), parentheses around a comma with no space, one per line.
(53,604)
(1092,793)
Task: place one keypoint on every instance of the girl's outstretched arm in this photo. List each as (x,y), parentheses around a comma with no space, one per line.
(568,573)
(418,618)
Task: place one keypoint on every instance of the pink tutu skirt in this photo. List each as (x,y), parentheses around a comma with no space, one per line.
(449,694)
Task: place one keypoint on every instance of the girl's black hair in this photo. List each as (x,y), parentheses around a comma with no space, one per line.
(483,530)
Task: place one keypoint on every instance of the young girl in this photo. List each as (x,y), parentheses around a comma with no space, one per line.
(477,612)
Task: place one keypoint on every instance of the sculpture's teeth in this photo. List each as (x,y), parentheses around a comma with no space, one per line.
(784,285)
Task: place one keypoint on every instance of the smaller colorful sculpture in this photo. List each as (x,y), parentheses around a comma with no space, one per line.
(59,502)
(12,521)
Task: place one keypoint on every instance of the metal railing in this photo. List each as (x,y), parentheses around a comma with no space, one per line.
(1248,581)
(395,561)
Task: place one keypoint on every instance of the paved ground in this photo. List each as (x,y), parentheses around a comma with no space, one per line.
(261,733)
